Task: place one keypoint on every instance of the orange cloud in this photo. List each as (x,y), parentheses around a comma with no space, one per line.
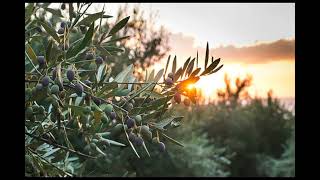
(282,49)
(260,53)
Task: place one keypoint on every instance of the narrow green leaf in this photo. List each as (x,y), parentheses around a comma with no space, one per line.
(151,76)
(48,51)
(146,149)
(113,49)
(55,12)
(31,54)
(80,46)
(163,123)
(28,11)
(172,140)
(132,147)
(118,26)
(101,72)
(109,141)
(207,56)
(50,31)
(158,76)
(190,67)
(103,51)
(90,19)
(216,70)
(140,91)
(195,72)
(107,87)
(177,75)
(50,152)
(197,59)
(165,71)
(123,76)
(117,39)
(174,65)
(211,67)
(70,11)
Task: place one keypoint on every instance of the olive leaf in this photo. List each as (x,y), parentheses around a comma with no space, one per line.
(195,72)
(56,12)
(174,65)
(217,69)
(207,56)
(211,67)
(90,19)
(50,31)
(165,71)
(31,54)
(172,140)
(163,123)
(118,26)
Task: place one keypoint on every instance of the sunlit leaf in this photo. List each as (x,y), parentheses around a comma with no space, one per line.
(190,67)
(118,26)
(177,75)
(174,65)
(168,61)
(195,72)
(217,69)
(211,67)
(31,54)
(207,56)
(158,75)
(50,31)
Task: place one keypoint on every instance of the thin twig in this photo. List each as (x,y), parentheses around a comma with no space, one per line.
(60,146)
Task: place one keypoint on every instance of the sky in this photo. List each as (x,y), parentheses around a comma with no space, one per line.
(250,38)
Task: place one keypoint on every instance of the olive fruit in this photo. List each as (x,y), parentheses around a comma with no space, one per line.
(113,115)
(162,147)
(138,141)
(99,60)
(138,118)
(61,31)
(63,24)
(70,75)
(130,122)
(169,81)
(132,137)
(186,102)
(89,56)
(54,89)
(79,89)
(97,101)
(177,97)
(41,60)
(108,108)
(45,81)
(39,87)
(171,75)
(145,132)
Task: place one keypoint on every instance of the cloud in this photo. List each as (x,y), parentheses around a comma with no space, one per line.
(259,53)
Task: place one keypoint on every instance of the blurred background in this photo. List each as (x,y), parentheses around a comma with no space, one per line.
(243,124)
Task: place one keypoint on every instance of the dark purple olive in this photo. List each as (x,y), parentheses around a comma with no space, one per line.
(79,89)
(99,60)
(41,60)
(130,122)
(89,56)
(132,137)
(138,141)
(162,147)
(70,75)
(63,6)
(113,115)
(63,24)
(97,101)
(169,81)
(45,81)
(61,31)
